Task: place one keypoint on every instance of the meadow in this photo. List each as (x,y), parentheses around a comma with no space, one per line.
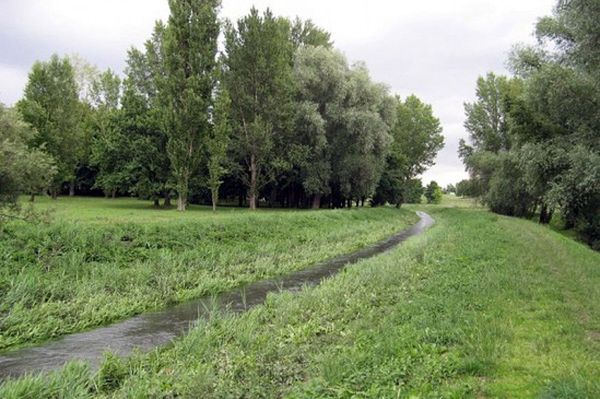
(100,260)
(481,305)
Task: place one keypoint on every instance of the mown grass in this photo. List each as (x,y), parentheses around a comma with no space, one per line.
(103,260)
(479,306)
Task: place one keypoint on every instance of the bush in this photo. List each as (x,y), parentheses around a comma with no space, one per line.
(433,193)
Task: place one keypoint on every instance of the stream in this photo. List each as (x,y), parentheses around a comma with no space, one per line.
(147,331)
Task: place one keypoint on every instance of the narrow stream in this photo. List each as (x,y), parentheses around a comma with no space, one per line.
(150,330)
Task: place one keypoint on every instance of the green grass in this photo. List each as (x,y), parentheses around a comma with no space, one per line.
(101,260)
(479,306)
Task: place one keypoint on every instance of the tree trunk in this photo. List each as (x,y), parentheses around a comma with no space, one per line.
(54,193)
(273,197)
(316,202)
(32,198)
(545,215)
(181,202)
(167,201)
(72,188)
(113,193)
(253,183)
(215,198)
(156,203)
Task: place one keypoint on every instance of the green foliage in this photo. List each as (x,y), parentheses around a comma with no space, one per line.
(51,105)
(140,120)
(413,191)
(111,148)
(465,188)
(508,192)
(417,138)
(486,119)
(217,144)
(306,33)
(535,139)
(433,193)
(302,124)
(23,170)
(448,314)
(319,74)
(122,257)
(258,77)
(186,88)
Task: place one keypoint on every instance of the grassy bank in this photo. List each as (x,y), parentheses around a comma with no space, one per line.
(101,260)
(479,306)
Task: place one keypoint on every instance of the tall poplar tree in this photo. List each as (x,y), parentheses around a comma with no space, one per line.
(258,77)
(217,144)
(190,48)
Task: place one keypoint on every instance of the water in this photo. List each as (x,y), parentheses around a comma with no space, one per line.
(148,331)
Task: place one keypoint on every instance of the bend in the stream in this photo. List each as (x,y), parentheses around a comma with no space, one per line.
(148,331)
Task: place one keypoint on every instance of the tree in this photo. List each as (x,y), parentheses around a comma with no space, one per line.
(23,170)
(320,74)
(218,143)
(413,191)
(190,48)
(258,78)
(141,120)
(486,119)
(51,105)
(487,122)
(464,188)
(306,33)
(111,148)
(361,136)
(433,193)
(417,138)
(544,155)
(508,193)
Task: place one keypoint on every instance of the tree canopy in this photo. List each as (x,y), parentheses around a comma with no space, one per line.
(534,144)
(279,117)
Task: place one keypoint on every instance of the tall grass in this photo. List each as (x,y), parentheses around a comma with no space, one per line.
(78,273)
(480,306)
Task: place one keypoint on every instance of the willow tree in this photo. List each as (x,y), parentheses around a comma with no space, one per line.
(360,136)
(258,78)
(23,170)
(190,48)
(320,74)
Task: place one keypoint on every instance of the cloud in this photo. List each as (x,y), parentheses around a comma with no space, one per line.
(13,81)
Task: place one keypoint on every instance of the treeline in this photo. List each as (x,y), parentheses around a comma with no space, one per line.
(278,117)
(535,138)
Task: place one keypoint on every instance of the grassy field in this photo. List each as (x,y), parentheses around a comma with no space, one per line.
(100,260)
(479,306)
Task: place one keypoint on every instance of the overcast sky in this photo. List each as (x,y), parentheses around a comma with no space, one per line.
(435,49)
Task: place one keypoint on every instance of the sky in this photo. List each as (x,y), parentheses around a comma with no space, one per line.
(434,49)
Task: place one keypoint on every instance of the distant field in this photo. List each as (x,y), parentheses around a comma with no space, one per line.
(100,260)
(480,306)
(451,200)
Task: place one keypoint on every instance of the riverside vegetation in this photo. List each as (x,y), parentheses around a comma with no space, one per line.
(102,260)
(480,305)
